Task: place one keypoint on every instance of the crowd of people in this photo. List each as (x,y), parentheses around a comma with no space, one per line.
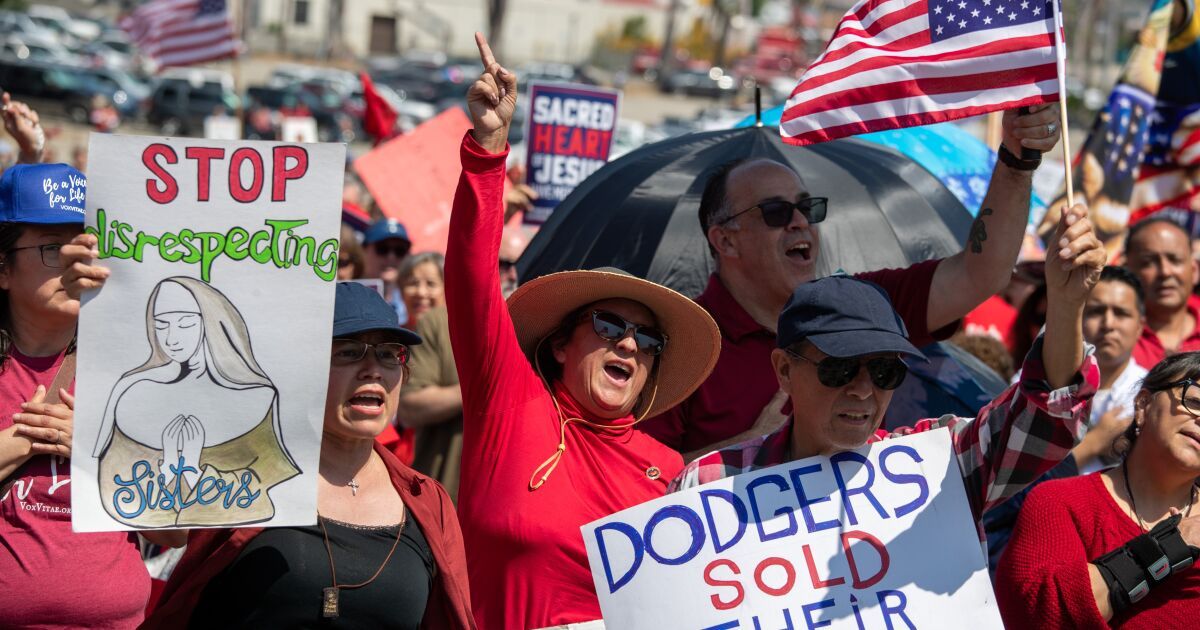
(473,424)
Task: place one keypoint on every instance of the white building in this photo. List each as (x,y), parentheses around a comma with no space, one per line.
(542,30)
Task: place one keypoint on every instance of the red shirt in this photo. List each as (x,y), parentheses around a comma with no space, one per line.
(994,318)
(51,577)
(209,551)
(1149,349)
(1042,581)
(525,553)
(744,381)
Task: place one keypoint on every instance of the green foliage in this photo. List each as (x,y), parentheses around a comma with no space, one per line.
(14,5)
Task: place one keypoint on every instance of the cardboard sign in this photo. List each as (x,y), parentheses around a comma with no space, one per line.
(204,360)
(413,177)
(881,537)
(569,136)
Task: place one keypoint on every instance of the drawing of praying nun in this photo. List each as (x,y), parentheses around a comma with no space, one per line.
(192,437)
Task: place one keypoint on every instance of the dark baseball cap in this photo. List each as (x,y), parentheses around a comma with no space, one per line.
(359,309)
(384,229)
(843,317)
(47,194)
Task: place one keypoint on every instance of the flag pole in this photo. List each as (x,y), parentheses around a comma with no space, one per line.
(1060,49)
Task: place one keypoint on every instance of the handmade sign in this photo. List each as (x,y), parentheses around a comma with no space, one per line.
(881,537)
(204,360)
(569,136)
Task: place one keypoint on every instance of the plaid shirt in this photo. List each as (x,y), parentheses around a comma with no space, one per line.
(1014,440)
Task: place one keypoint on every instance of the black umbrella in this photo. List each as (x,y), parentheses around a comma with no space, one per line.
(639,212)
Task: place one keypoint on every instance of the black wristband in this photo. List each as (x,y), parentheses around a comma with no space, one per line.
(1016,163)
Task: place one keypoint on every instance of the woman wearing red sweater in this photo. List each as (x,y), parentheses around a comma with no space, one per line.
(553,383)
(1117,546)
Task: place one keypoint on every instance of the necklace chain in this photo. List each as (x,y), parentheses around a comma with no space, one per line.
(329,596)
(1133,501)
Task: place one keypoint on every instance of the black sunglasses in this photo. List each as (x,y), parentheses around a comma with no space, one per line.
(351,351)
(778,213)
(505,265)
(400,249)
(612,327)
(885,372)
(1189,396)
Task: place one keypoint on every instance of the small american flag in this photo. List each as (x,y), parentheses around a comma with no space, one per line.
(901,63)
(182,32)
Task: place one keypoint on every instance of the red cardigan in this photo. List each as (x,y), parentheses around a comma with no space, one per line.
(1043,581)
(209,551)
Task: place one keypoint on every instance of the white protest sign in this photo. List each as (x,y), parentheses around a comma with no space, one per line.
(299,129)
(878,538)
(204,360)
(222,128)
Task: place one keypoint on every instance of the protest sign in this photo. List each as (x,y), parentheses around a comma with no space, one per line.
(413,177)
(203,362)
(569,136)
(222,128)
(299,129)
(881,537)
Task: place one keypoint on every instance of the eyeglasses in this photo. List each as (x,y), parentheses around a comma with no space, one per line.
(506,265)
(351,351)
(400,250)
(612,327)
(1189,396)
(49,253)
(885,372)
(778,213)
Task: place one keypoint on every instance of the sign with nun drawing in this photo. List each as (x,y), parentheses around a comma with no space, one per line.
(204,360)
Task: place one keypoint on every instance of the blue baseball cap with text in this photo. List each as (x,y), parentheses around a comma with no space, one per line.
(47,194)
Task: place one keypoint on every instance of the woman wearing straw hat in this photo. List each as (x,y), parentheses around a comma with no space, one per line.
(553,384)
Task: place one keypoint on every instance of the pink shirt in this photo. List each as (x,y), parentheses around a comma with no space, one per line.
(51,577)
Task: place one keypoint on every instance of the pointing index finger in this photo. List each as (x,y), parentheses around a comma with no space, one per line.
(485,51)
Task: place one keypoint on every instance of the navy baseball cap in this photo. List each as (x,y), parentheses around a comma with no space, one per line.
(844,317)
(47,194)
(385,229)
(359,308)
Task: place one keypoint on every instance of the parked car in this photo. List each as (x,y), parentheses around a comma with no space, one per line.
(179,107)
(713,83)
(333,125)
(58,89)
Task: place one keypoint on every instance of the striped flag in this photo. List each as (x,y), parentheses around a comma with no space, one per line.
(182,32)
(902,63)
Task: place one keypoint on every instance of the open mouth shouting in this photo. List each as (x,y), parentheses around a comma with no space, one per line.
(367,401)
(619,372)
(801,252)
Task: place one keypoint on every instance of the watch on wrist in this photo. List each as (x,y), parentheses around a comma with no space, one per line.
(1015,162)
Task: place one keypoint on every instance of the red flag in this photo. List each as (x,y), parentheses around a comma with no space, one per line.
(903,63)
(379,119)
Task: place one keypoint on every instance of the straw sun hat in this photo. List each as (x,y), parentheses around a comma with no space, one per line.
(693,341)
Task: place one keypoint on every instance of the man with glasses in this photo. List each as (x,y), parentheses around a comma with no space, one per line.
(386,245)
(841,352)
(760,221)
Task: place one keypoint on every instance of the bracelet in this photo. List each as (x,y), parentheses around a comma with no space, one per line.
(1014,162)
(1130,571)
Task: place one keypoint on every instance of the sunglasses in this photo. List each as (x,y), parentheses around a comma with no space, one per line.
(778,213)
(382,248)
(506,265)
(351,351)
(612,327)
(885,372)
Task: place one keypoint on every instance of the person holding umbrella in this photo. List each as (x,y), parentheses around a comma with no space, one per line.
(553,385)
(760,219)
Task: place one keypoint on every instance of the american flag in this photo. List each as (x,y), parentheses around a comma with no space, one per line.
(182,32)
(900,63)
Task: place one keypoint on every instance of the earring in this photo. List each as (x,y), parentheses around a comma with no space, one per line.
(1137,430)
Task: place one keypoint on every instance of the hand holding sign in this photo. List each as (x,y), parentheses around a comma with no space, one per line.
(492,100)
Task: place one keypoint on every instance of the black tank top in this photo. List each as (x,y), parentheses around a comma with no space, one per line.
(278,579)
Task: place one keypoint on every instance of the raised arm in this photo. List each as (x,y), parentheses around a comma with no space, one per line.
(1035,423)
(492,370)
(983,267)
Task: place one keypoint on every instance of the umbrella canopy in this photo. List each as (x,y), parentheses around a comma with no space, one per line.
(640,212)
